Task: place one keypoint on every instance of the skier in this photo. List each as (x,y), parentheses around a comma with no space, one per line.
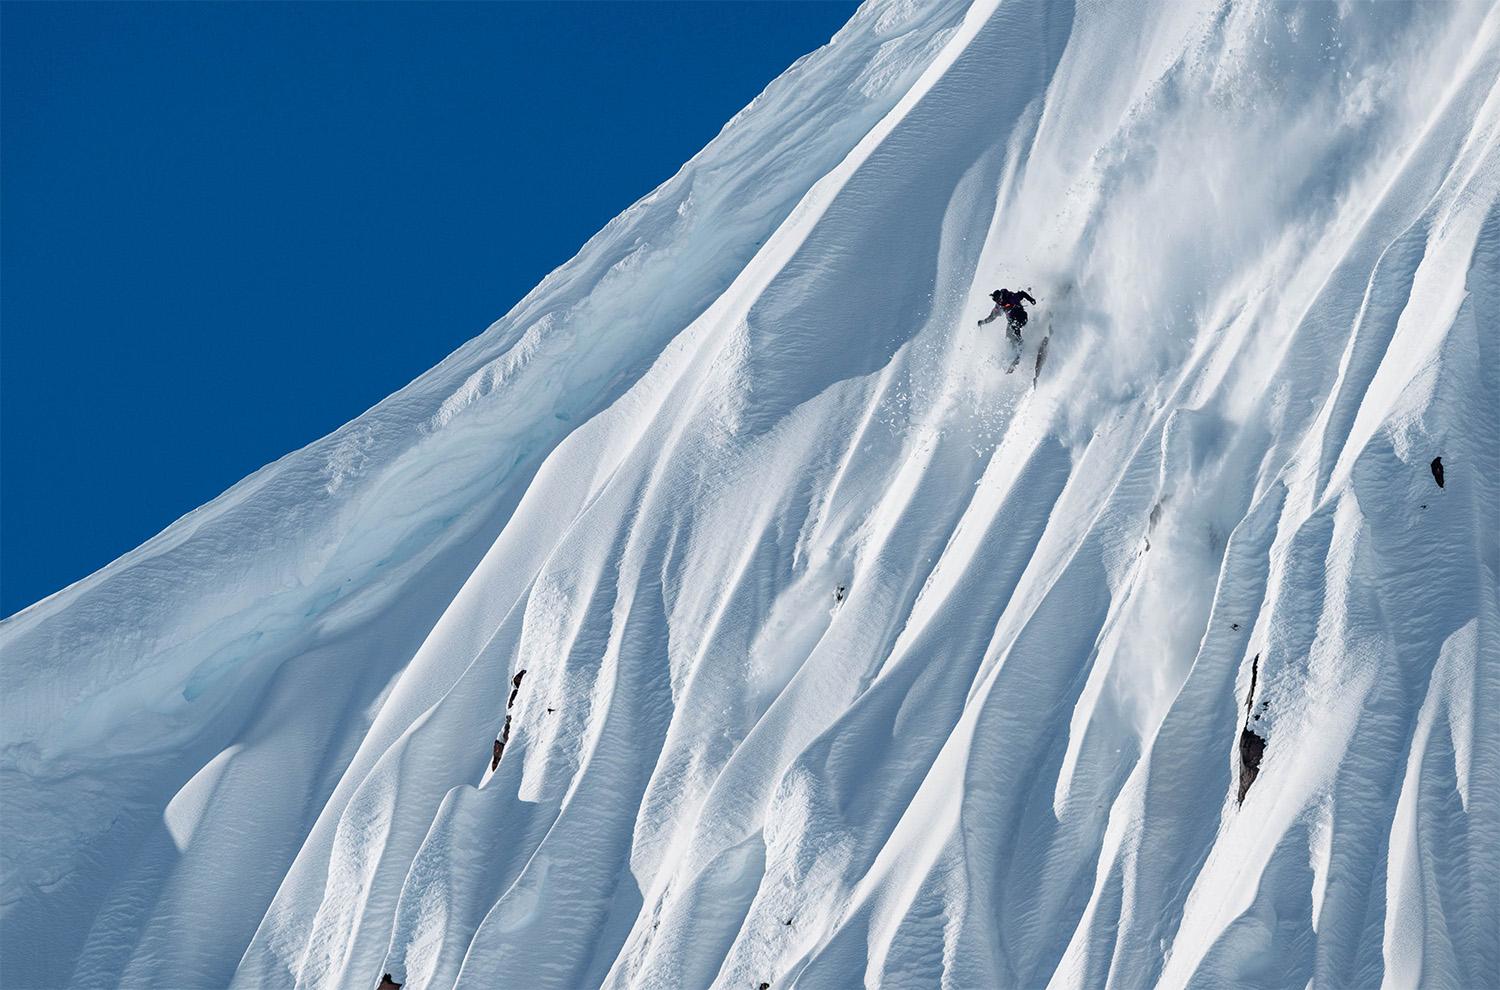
(1009,303)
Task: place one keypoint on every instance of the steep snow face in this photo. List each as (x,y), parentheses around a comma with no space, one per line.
(849,657)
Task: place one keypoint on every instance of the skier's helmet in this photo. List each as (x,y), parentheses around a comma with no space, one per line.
(997,296)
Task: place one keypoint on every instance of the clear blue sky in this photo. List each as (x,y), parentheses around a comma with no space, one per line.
(226,229)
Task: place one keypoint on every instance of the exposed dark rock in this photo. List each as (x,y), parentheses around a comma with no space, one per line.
(838,596)
(1254,675)
(1252,745)
(765,986)
(1252,748)
(1437,470)
(515,689)
(386,983)
(500,745)
(1234,625)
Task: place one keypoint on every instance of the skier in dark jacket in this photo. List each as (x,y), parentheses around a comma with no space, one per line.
(1009,303)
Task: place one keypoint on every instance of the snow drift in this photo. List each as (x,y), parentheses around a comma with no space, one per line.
(850,659)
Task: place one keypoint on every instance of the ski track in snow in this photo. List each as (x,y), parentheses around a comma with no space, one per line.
(1265,240)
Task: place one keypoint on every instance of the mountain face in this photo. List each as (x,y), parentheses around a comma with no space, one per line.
(727,615)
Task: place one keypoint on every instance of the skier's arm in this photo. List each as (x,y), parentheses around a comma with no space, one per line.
(1027,296)
(994,315)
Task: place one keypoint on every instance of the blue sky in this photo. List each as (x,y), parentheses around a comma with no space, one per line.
(226,229)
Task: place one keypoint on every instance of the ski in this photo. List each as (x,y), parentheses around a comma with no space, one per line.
(1041,355)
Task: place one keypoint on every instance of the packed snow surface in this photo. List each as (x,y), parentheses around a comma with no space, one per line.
(849,658)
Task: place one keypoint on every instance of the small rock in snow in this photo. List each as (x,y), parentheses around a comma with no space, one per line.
(1252,748)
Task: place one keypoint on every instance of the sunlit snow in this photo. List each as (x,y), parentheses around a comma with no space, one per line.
(850,659)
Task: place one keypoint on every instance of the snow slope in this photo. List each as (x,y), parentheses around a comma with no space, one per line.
(1265,240)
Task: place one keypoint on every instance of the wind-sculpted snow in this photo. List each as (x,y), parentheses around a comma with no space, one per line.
(850,659)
